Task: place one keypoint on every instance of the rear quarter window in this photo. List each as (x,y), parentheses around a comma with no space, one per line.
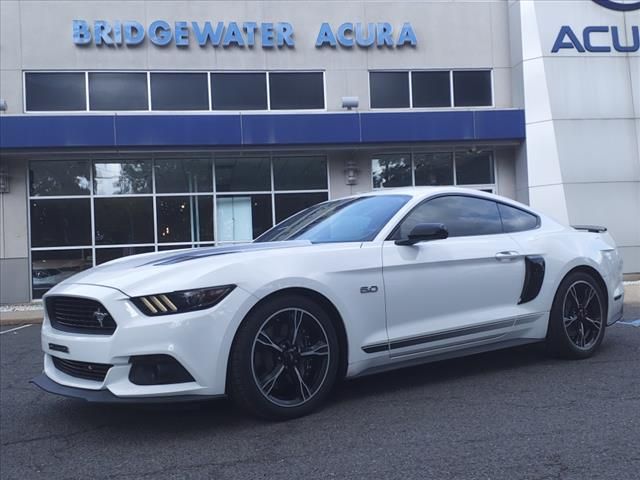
(516,220)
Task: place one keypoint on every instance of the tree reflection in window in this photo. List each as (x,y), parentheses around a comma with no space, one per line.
(59,178)
(392,170)
(122,178)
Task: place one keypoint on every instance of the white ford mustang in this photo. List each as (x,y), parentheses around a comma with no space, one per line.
(345,288)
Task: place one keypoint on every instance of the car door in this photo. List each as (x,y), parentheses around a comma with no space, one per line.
(452,291)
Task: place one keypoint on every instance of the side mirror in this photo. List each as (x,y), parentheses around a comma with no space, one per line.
(424,232)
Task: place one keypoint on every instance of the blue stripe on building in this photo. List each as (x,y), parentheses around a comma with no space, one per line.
(249,130)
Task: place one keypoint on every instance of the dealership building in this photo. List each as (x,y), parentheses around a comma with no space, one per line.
(138,126)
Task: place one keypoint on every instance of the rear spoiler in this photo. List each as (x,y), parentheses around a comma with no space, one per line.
(590,228)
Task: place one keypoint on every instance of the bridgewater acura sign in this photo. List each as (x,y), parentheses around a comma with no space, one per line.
(235,34)
(600,38)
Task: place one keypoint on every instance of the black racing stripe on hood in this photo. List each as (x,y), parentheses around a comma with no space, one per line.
(213,251)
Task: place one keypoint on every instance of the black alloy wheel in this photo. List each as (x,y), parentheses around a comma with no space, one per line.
(285,358)
(578,317)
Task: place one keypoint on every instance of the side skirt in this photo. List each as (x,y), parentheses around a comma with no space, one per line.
(422,359)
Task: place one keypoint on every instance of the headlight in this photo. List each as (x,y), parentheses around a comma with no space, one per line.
(182,301)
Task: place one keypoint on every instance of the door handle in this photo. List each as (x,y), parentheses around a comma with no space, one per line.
(507,256)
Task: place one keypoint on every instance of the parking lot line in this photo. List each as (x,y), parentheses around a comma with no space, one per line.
(15,329)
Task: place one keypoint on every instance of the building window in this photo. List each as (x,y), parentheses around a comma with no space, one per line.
(472,89)
(50,267)
(132,224)
(300,173)
(55,92)
(391,170)
(185,219)
(122,178)
(239,91)
(179,91)
(87,212)
(243,174)
(104,255)
(389,89)
(183,175)
(60,223)
(296,90)
(288,204)
(241,218)
(59,178)
(118,91)
(433,169)
(173,91)
(431,89)
(474,169)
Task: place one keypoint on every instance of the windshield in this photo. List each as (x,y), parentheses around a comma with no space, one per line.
(347,220)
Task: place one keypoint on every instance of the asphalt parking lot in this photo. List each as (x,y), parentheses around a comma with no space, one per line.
(509,414)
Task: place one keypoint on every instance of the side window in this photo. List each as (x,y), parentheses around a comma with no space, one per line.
(516,220)
(463,216)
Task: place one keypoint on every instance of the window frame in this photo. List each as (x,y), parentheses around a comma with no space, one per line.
(282,110)
(150,109)
(395,229)
(55,112)
(452,105)
(412,153)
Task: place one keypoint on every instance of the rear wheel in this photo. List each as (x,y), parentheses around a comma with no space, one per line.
(284,360)
(578,317)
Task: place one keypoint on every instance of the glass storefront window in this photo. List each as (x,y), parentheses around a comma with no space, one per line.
(104,255)
(434,169)
(391,170)
(241,218)
(178,175)
(121,221)
(50,267)
(69,177)
(153,204)
(474,168)
(288,204)
(300,173)
(122,178)
(185,219)
(60,222)
(243,174)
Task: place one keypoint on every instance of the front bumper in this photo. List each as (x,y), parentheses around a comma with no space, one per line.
(200,341)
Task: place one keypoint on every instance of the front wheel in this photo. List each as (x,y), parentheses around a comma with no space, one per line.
(578,317)
(284,360)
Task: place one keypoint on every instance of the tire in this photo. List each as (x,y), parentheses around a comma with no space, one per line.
(578,317)
(280,371)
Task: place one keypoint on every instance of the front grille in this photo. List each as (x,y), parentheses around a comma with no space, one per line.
(88,371)
(79,315)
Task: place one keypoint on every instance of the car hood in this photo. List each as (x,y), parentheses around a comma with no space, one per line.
(163,272)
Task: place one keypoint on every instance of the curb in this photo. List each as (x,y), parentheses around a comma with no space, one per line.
(21,318)
(631,300)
